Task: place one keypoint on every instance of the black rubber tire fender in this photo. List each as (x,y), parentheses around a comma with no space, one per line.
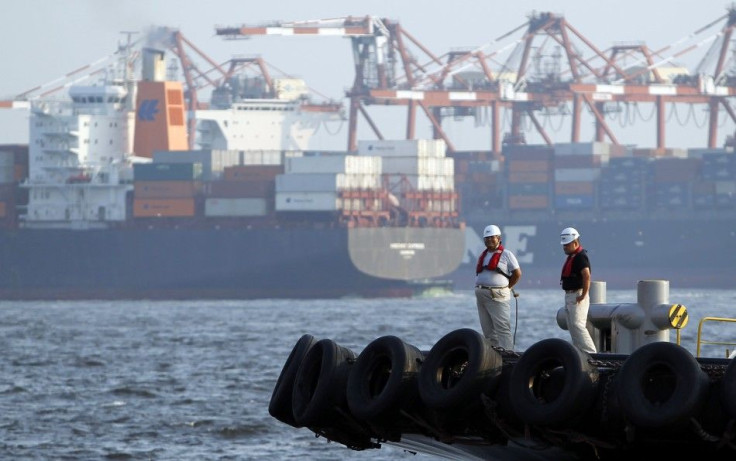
(661,384)
(320,384)
(460,367)
(384,378)
(728,389)
(552,383)
(280,406)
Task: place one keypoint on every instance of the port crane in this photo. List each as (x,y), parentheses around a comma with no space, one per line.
(551,68)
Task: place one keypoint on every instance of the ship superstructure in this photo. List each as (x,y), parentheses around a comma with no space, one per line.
(253,113)
(79,157)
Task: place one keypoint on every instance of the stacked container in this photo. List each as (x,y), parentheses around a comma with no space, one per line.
(243,191)
(622,184)
(529,176)
(670,181)
(478,180)
(417,171)
(13,168)
(213,161)
(719,170)
(329,183)
(166,189)
(577,169)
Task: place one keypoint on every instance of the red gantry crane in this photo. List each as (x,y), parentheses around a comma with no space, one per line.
(551,69)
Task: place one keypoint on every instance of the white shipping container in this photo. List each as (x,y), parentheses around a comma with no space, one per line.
(326,182)
(423,182)
(222,159)
(362,181)
(419,165)
(306,201)
(403,147)
(307,182)
(583,148)
(334,164)
(235,207)
(266,157)
(577,174)
(436,182)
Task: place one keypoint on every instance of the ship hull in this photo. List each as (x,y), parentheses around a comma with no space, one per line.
(175,263)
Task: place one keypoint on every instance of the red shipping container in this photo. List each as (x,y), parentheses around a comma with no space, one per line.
(528,202)
(151,208)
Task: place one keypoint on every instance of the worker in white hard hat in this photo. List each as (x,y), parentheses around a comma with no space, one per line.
(496,273)
(575,280)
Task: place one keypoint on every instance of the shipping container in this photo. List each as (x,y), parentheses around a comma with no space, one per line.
(239,189)
(235,207)
(574,187)
(529,166)
(537,177)
(148,208)
(334,164)
(674,169)
(252,172)
(166,189)
(528,152)
(580,161)
(403,148)
(213,161)
(528,202)
(306,201)
(583,148)
(398,182)
(574,202)
(418,165)
(167,171)
(577,174)
(529,188)
(326,182)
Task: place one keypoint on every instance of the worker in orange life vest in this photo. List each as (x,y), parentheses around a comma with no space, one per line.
(496,273)
(575,280)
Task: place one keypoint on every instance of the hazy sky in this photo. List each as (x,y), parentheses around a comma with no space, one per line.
(45,39)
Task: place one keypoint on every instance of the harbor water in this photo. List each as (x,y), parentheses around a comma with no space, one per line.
(192,380)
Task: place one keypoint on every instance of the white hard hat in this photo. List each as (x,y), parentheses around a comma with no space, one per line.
(491,230)
(568,235)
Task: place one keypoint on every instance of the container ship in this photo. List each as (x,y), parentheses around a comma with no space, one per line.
(125,190)
(108,201)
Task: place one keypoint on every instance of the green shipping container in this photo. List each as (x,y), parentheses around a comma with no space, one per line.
(167,171)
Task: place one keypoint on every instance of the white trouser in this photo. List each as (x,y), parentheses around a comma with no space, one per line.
(577,319)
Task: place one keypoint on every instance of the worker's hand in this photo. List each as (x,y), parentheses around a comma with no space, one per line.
(516,295)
